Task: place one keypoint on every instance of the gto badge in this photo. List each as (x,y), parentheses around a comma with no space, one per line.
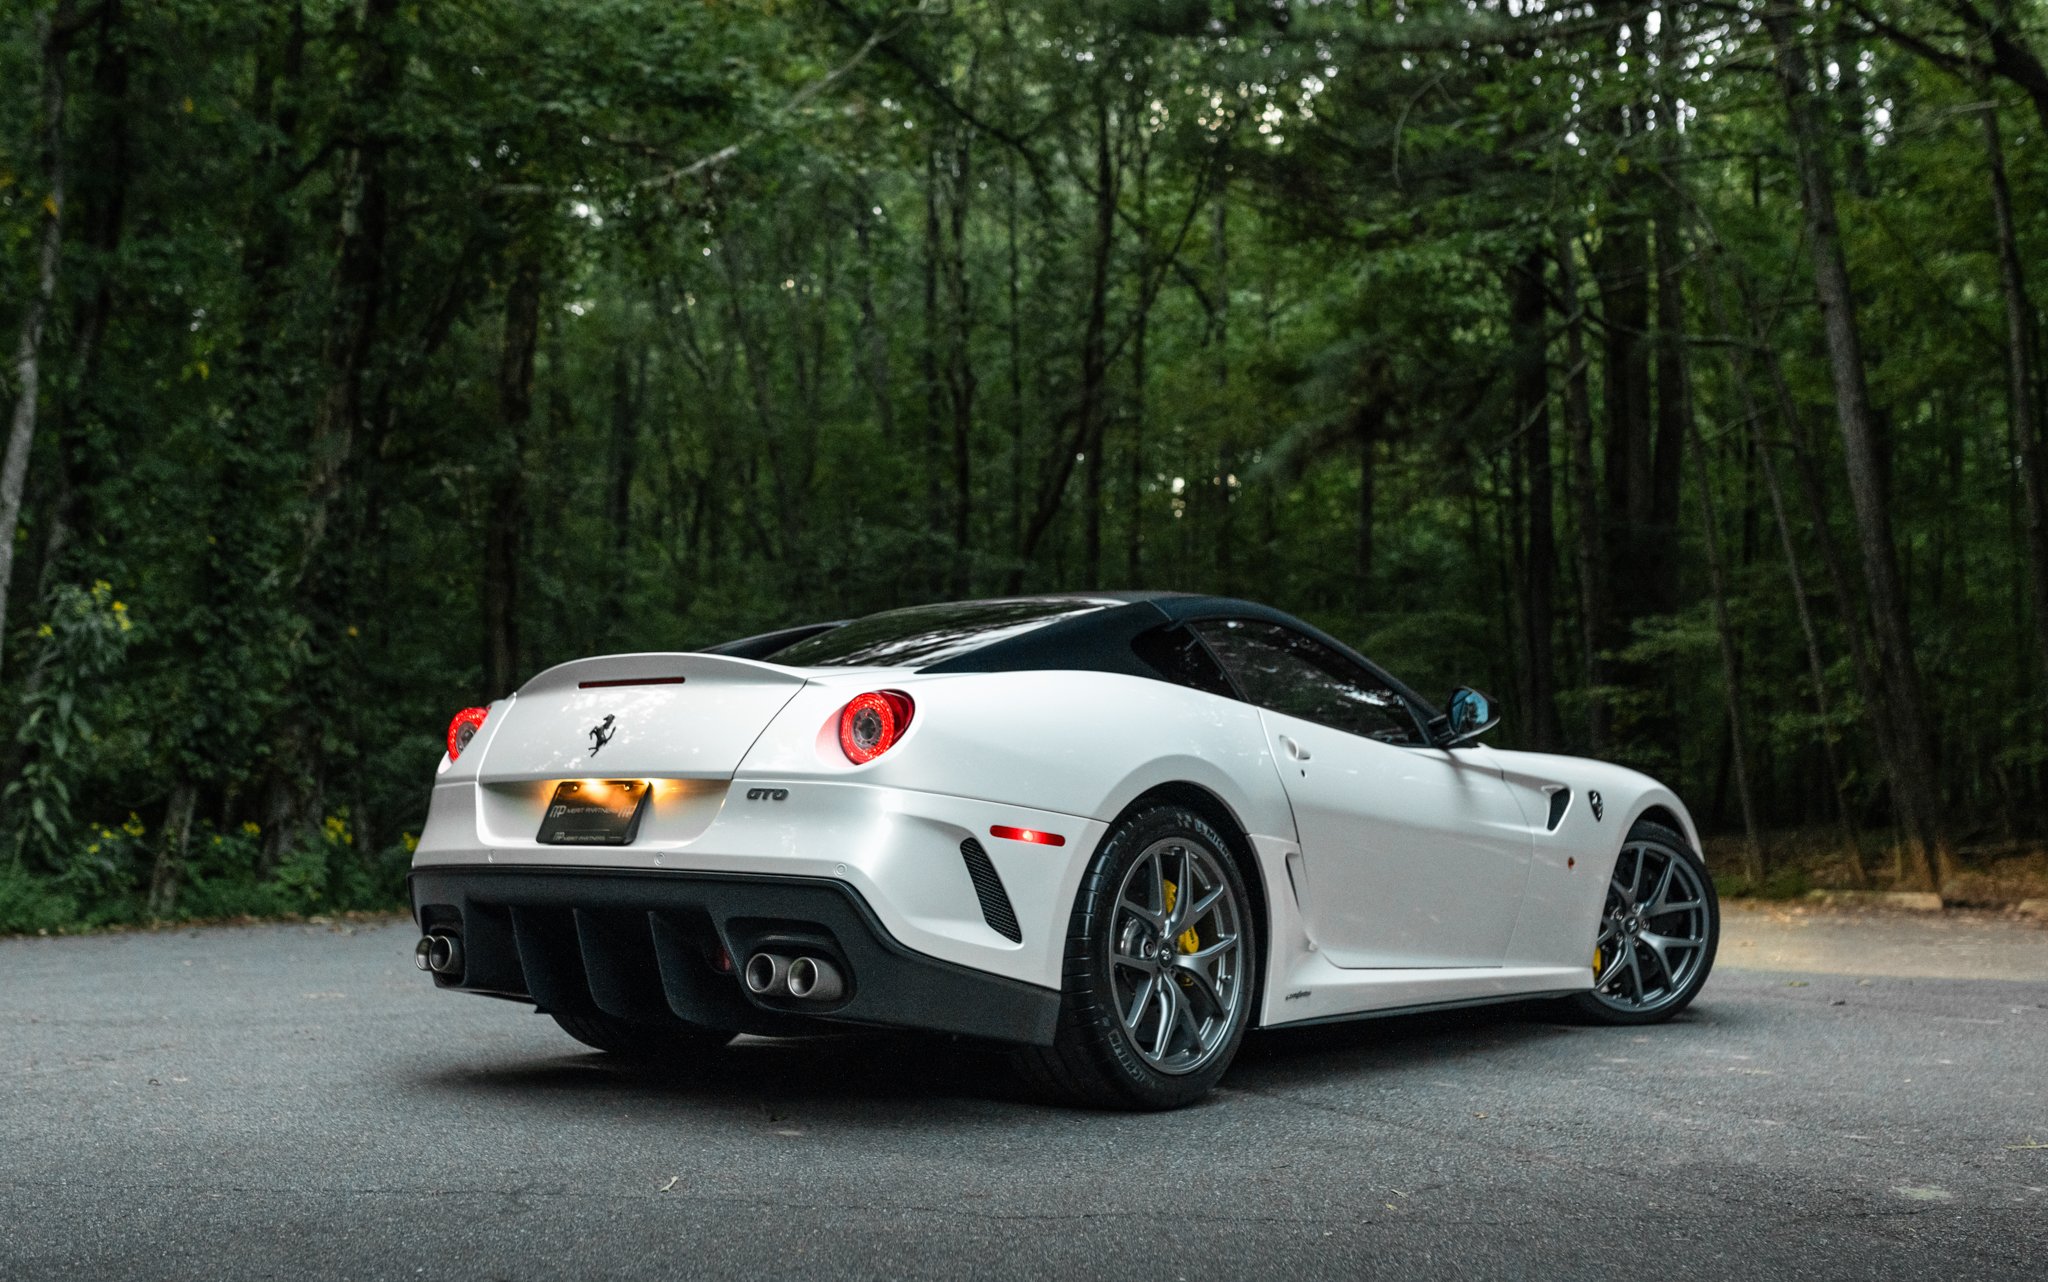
(767,794)
(1599,806)
(601,734)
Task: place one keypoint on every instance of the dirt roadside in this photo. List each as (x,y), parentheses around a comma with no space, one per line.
(1956,944)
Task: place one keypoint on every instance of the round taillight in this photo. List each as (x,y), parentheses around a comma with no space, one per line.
(872,723)
(461,730)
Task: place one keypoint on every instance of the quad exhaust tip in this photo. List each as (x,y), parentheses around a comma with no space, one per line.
(441,954)
(813,979)
(807,979)
(768,975)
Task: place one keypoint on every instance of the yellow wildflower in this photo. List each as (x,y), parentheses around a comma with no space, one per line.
(251,827)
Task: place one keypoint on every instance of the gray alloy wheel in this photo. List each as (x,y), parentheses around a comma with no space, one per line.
(1659,928)
(1161,968)
(1177,955)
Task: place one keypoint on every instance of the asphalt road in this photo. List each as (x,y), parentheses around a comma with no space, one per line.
(1850,1098)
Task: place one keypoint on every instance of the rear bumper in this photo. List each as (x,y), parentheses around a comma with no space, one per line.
(898,849)
(643,945)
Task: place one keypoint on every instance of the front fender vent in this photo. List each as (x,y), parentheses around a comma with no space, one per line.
(1560,801)
(988,888)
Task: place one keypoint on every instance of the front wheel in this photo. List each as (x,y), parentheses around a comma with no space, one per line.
(1160,968)
(1659,928)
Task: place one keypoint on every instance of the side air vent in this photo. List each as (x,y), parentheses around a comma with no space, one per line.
(995,901)
(1560,801)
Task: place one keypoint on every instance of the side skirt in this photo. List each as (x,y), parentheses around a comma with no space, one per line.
(1424,1008)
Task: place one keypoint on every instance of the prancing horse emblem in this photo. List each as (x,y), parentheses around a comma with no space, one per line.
(600,735)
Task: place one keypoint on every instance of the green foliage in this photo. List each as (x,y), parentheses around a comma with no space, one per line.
(827,322)
(81,642)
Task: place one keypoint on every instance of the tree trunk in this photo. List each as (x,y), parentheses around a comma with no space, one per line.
(1369,424)
(506,516)
(934,383)
(53,34)
(1926,833)
(100,198)
(166,875)
(1585,493)
(1226,575)
(2026,420)
(873,340)
(1731,667)
(1816,667)
(1526,309)
(1134,517)
(1084,438)
(1853,619)
(1093,365)
(960,383)
(266,237)
(628,388)
(1620,263)
(1016,337)
(359,285)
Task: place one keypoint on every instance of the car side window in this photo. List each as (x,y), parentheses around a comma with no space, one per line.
(1177,655)
(1288,672)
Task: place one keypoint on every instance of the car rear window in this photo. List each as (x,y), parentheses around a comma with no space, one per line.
(927,634)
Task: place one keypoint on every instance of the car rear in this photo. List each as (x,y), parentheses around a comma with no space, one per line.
(639,836)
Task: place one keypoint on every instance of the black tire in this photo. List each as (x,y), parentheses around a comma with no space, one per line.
(1689,927)
(629,1040)
(1095,1058)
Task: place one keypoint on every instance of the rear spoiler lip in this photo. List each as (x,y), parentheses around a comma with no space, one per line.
(656,668)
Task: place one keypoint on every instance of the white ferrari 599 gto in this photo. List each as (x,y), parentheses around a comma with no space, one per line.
(1115,830)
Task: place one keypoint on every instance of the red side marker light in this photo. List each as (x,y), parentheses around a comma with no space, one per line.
(1029,835)
(463,728)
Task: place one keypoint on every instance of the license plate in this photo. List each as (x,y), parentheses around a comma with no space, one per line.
(594,812)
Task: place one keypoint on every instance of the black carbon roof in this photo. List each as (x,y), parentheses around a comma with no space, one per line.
(1094,641)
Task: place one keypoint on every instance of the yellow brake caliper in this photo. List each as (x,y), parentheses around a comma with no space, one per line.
(1187,941)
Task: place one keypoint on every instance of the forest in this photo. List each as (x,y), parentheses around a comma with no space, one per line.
(1672,371)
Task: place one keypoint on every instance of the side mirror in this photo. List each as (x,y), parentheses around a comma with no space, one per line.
(1468,715)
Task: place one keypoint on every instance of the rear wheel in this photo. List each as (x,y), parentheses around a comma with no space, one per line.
(1659,928)
(629,1040)
(1159,974)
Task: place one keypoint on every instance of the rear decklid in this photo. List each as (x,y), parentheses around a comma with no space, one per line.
(679,716)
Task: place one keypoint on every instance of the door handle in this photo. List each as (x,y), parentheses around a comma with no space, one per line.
(1294,749)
